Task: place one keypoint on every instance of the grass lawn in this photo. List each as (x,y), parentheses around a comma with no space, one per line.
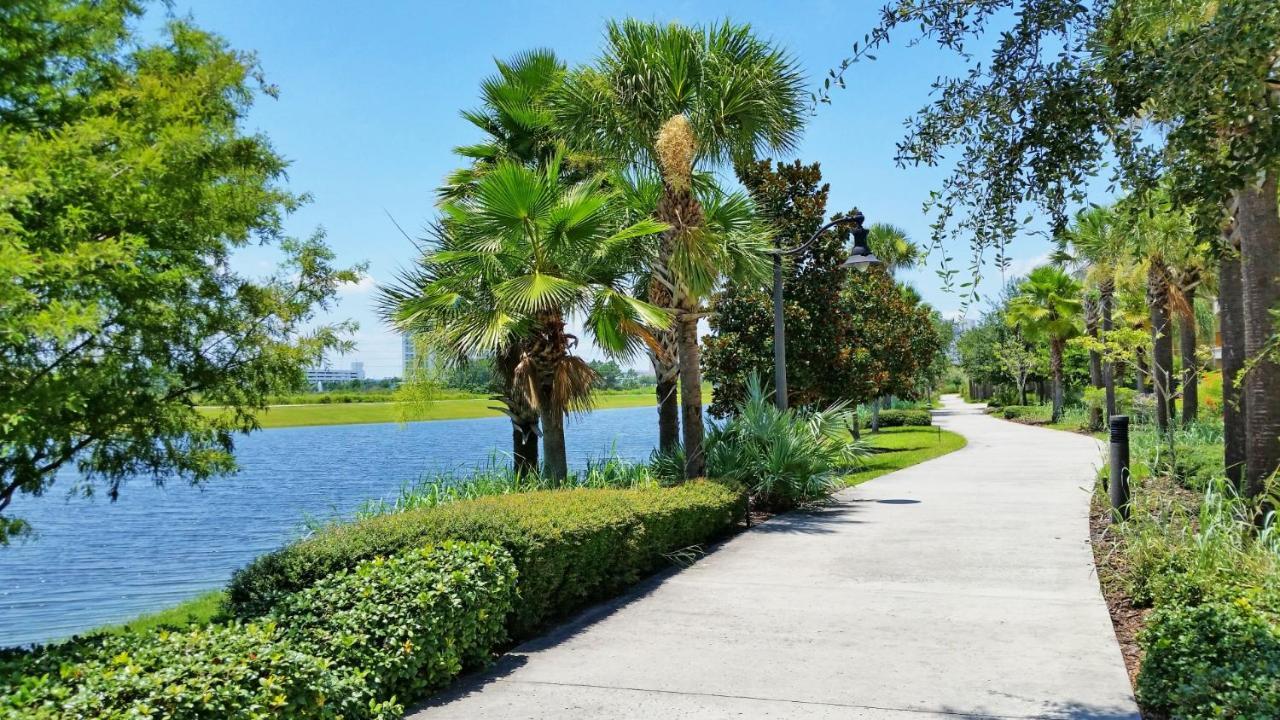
(452,409)
(903,447)
(198,610)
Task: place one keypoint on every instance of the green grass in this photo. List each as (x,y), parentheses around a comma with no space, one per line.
(447,409)
(903,447)
(198,610)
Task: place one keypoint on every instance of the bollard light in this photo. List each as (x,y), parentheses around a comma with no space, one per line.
(1118,486)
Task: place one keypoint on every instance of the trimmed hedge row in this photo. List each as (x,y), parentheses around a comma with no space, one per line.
(351,646)
(900,418)
(570,547)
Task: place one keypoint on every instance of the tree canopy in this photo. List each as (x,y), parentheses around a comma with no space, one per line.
(126,184)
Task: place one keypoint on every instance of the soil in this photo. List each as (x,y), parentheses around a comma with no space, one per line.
(1109,558)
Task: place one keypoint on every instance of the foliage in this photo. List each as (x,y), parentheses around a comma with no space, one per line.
(570,546)
(1217,659)
(783,457)
(905,418)
(353,646)
(408,623)
(126,182)
(840,329)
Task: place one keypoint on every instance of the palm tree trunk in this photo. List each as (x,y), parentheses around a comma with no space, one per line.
(556,462)
(1259,227)
(1055,360)
(1091,329)
(667,371)
(681,211)
(1095,359)
(1106,292)
(1187,350)
(695,464)
(1161,340)
(524,417)
(1231,325)
(1140,370)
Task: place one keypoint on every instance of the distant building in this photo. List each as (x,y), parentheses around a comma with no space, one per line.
(319,376)
(409,356)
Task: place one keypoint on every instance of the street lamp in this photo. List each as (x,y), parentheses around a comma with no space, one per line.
(861,258)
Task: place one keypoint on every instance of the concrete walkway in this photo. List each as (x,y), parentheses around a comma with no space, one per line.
(961,587)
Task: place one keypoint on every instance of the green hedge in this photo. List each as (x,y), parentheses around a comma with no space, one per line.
(571,547)
(1216,659)
(1026,412)
(352,646)
(899,418)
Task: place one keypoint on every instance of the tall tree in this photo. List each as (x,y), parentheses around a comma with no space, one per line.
(1096,242)
(126,185)
(1048,308)
(676,99)
(523,251)
(793,198)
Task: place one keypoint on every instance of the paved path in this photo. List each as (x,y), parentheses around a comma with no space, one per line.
(961,587)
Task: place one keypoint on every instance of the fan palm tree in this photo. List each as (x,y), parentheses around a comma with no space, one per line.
(893,246)
(1097,244)
(676,99)
(515,119)
(525,251)
(1047,307)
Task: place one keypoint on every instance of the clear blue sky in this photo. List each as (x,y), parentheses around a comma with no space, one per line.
(370,94)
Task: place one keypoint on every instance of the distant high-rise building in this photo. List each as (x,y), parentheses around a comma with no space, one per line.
(321,375)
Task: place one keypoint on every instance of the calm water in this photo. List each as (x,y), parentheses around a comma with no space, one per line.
(96,562)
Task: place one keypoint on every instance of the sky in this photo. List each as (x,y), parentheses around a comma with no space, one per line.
(370,95)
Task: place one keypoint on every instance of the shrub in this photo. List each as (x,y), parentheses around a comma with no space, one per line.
(570,547)
(411,622)
(783,457)
(900,418)
(218,671)
(1026,412)
(1217,659)
(346,648)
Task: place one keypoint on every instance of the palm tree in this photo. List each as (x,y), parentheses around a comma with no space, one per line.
(1098,246)
(893,246)
(1047,307)
(526,250)
(676,99)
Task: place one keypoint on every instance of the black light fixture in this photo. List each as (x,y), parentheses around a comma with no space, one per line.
(861,258)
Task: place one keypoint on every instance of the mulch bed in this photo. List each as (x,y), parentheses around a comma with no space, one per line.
(1109,558)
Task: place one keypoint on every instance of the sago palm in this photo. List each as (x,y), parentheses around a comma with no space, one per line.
(1047,307)
(527,250)
(677,99)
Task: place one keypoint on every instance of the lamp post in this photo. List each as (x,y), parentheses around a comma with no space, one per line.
(860,259)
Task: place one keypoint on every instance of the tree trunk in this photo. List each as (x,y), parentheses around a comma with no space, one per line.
(1231,325)
(1190,368)
(667,370)
(524,417)
(556,463)
(524,444)
(1106,292)
(1259,227)
(1140,370)
(1091,329)
(691,396)
(1055,361)
(1022,393)
(1161,341)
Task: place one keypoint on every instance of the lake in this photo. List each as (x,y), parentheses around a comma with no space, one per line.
(94,562)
